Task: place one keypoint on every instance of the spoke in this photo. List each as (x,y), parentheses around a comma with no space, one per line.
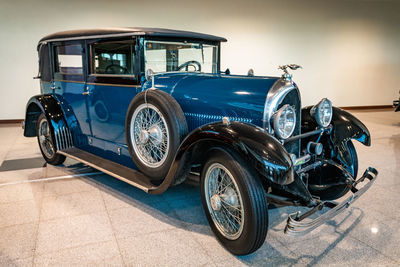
(214,177)
(225,186)
(227,217)
(237,218)
(138,125)
(231,206)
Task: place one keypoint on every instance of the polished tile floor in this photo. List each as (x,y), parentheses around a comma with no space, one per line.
(73,215)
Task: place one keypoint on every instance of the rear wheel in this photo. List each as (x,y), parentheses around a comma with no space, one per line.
(46,144)
(234,202)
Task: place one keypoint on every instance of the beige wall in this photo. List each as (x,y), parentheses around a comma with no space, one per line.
(349,49)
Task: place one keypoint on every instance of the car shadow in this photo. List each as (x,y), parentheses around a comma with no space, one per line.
(181,207)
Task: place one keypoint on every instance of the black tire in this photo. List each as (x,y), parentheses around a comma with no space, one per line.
(55,158)
(335,192)
(176,125)
(255,209)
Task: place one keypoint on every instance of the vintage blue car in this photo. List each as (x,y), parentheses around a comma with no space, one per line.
(152,107)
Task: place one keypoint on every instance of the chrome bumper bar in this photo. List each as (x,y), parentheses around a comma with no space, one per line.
(296,226)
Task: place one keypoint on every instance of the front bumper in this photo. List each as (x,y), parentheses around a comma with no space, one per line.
(296,226)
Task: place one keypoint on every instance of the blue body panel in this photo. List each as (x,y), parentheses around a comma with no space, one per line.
(107,109)
(71,94)
(204,98)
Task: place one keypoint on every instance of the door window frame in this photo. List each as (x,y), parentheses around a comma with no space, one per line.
(128,80)
(68,77)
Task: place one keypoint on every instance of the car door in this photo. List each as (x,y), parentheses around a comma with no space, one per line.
(69,80)
(112,84)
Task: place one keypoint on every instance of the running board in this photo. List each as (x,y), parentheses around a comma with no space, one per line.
(123,173)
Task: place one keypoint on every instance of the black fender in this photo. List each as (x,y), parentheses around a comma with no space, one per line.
(261,150)
(53,110)
(345,126)
(38,104)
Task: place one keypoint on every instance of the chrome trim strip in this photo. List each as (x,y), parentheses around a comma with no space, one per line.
(111,84)
(64,135)
(71,141)
(56,133)
(112,75)
(69,81)
(63,138)
(105,171)
(62,143)
(94,83)
(274,97)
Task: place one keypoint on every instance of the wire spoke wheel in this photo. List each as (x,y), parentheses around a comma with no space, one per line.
(149,135)
(234,201)
(45,140)
(154,129)
(224,201)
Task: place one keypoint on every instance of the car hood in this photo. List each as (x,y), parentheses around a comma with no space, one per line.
(241,98)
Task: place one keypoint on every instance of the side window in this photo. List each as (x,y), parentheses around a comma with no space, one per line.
(113,58)
(44,63)
(68,59)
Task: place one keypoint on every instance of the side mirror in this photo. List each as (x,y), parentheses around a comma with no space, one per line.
(149,75)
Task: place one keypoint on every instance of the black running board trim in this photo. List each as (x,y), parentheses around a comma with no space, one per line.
(123,173)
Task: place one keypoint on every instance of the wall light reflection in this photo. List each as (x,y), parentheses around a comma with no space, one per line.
(374,230)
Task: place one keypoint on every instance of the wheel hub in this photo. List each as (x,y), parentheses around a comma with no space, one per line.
(230,197)
(156,134)
(143,136)
(42,138)
(216,202)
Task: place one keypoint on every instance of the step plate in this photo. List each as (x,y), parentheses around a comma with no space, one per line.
(116,170)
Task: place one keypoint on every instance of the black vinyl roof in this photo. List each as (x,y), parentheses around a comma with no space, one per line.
(126,31)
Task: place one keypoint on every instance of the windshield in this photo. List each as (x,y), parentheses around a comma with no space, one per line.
(163,56)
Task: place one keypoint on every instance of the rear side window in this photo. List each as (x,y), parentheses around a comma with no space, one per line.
(68,59)
(44,63)
(113,58)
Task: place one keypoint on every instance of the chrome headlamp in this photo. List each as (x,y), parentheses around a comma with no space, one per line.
(284,121)
(322,112)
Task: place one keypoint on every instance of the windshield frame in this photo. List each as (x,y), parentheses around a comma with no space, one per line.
(143,41)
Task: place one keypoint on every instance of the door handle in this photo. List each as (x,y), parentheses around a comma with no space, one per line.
(86,93)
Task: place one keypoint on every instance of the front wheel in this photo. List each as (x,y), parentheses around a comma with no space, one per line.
(234,202)
(46,144)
